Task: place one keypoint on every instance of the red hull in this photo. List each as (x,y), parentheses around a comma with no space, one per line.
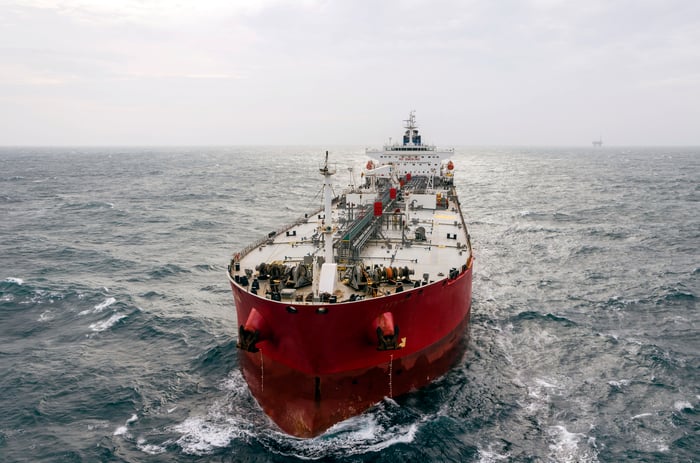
(316,368)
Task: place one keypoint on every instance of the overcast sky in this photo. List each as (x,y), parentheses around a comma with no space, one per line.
(230,72)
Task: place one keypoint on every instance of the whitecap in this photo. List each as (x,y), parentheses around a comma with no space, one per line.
(100,424)
(17,281)
(681,405)
(150,449)
(106,324)
(45,316)
(225,423)
(619,384)
(348,441)
(234,382)
(103,305)
(200,437)
(99,307)
(358,435)
(565,447)
(489,456)
(122,430)
(545,384)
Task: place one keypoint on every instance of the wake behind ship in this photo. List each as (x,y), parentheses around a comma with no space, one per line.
(367,297)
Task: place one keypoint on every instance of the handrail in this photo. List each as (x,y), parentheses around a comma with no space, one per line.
(284,228)
(453,190)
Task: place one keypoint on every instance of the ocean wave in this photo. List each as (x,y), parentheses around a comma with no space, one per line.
(617,303)
(106,324)
(238,419)
(619,385)
(201,436)
(532,315)
(673,295)
(586,250)
(17,291)
(518,229)
(219,289)
(207,268)
(150,449)
(621,235)
(489,455)
(369,433)
(201,224)
(228,419)
(89,205)
(657,357)
(556,216)
(568,447)
(683,405)
(167,270)
(218,358)
(123,430)
(99,307)
(153,295)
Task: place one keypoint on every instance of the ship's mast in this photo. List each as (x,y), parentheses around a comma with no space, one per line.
(410,124)
(327,208)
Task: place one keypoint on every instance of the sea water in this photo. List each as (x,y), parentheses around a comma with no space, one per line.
(118,330)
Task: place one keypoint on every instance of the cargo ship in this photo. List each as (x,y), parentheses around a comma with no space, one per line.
(364,298)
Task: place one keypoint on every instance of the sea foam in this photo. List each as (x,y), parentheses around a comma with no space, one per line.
(566,446)
(122,430)
(99,307)
(106,324)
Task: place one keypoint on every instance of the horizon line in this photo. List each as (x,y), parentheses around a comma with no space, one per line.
(219,145)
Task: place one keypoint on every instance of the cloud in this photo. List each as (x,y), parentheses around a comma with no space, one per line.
(153,13)
(522,71)
(14,74)
(684,81)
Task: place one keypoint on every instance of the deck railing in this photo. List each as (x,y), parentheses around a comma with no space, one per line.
(270,236)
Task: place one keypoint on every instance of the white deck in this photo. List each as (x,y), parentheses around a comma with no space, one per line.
(393,245)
